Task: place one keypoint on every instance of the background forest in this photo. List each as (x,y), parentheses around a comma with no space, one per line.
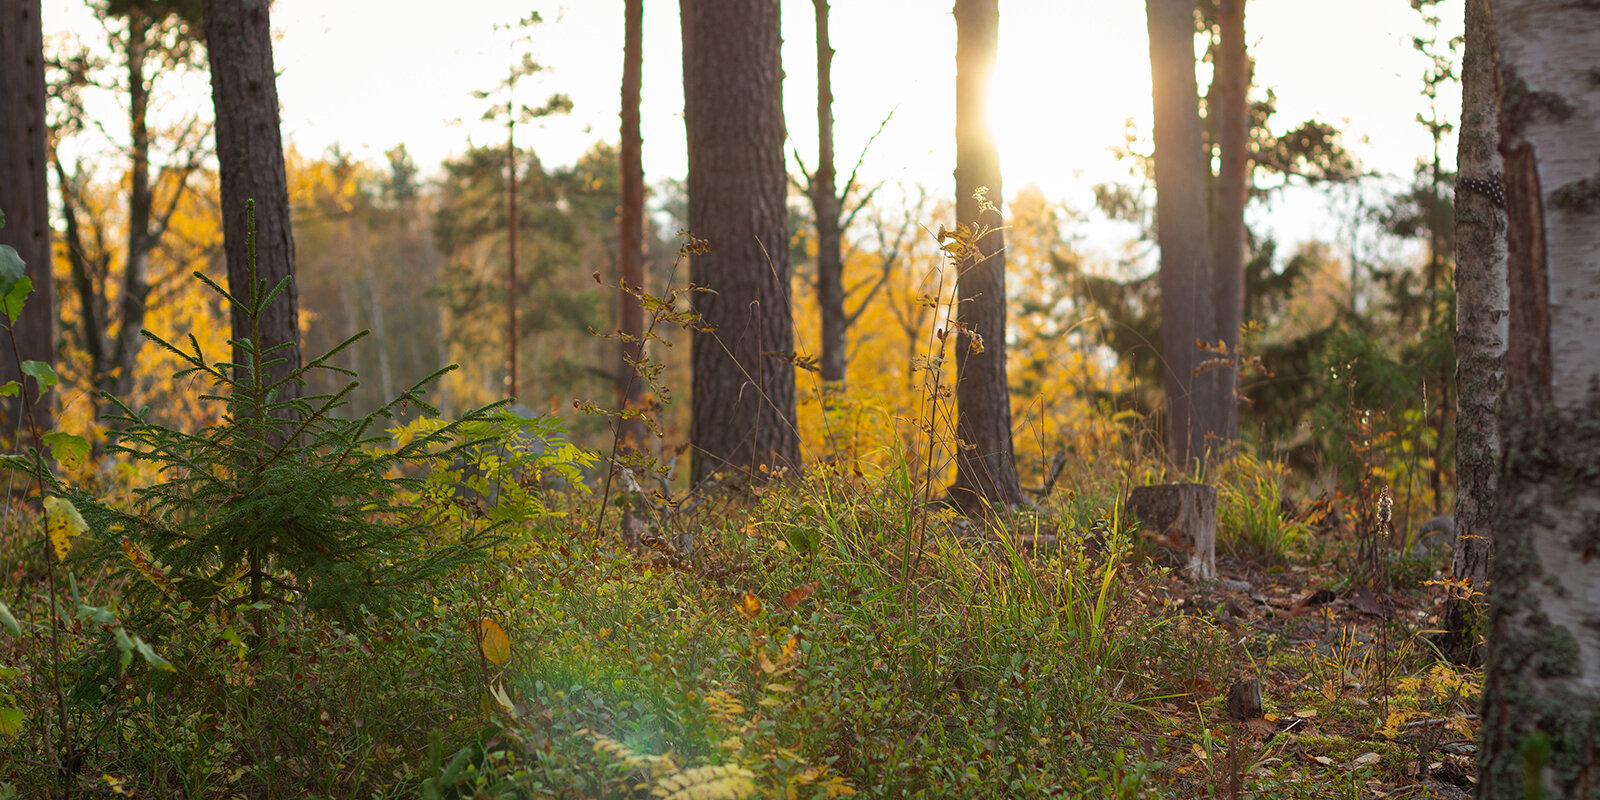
(525,471)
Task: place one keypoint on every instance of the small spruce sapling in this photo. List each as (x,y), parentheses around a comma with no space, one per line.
(280,501)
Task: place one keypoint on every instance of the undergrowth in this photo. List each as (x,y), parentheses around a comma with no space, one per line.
(303,606)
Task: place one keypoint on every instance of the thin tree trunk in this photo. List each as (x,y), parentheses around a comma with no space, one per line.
(135,289)
(744,406)
(1541,699)
(25,200)
(1182,171)
(250,154)
(986,473)
(1481,309)
(1227,228)
(825,206)
(512,334)
(629,384)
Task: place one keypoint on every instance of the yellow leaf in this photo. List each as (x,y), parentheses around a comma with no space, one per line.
(62,522)
(493,642)
(750,607)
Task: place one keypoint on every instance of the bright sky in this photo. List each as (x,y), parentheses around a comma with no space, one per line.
(369,74)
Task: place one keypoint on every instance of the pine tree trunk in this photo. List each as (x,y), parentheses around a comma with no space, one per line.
(631,433)
(744,406)
(250,153)
(1187,276)
(986,473)
(25,200)
(1541,701)
(1232,116)
(1480,333)
(825,205)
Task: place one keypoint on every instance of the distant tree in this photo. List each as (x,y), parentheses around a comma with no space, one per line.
(825,204)
(511,115)
(150,39)
(744,402)
(244,94)
(1195,417)
(631,431)
(567,230)
(365,260)
(1481,309)
(1228,112)
(1541,697)
(24,200)
(986,472)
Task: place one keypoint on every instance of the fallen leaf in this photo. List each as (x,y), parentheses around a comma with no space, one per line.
(1367,758)
(493,642)
(750,607)
(798,593)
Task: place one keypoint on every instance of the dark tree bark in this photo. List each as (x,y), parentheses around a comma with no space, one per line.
(744,405)
(250,152)
(1231,116)
(630,386)
(1187,275)
(1480,334)
(986,473)
(825,205)
(1541,697)
(24,198)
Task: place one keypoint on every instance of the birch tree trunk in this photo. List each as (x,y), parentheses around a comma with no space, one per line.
(1541,702)
(1480,332)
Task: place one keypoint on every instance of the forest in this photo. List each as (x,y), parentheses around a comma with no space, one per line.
(472,464)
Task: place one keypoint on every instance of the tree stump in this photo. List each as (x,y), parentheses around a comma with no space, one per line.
(1244,700)
(1184,516)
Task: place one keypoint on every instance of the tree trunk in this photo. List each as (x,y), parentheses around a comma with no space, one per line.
(1232,118)
(118,375)
(513,333)
(825,205)
(1184,516)
(1541,700)
(744,406)
(250,154)
(1480,333)
(986,473)
(1187,277)
(630,385)
(24,198)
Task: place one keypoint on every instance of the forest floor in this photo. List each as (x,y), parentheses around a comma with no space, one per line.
(827,637)
(1354,697)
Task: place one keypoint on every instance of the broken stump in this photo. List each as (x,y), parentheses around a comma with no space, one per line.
(1184,516)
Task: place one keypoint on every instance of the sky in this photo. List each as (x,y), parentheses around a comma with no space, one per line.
(369,74)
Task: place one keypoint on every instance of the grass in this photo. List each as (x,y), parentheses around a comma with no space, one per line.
(809,652)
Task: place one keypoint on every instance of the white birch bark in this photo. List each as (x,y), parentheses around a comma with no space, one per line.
(1541,706)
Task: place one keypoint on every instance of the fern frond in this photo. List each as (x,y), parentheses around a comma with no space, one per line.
(720,782)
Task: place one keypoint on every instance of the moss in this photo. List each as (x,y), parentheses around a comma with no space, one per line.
(1552,460)
(1579,196)
(1521,104)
